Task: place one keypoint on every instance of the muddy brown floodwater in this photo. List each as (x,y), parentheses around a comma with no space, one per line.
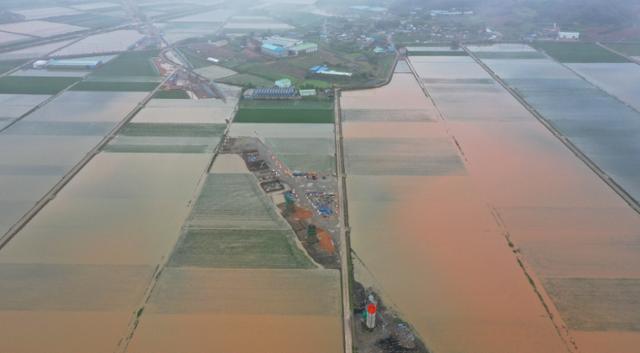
(427,239)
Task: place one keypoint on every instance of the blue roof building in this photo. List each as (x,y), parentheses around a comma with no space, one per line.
(273,50)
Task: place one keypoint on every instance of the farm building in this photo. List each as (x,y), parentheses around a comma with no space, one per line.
(77,63)
(569,35)
(324,70)
(281,46)
(273,50)
(304,48)
(282,41)
(271,93)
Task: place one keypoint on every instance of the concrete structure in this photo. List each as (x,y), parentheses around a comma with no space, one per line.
(273,50)
(303,48)
(569,35)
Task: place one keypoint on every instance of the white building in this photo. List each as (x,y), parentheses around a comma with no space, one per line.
(569,35)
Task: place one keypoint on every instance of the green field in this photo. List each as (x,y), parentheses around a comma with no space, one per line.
(631,49)
(175,130)
(246,80)
(579,52)
(291,111)
(239,248)
(35,85)
(115,86)
(133,63)
(7,65)
(171,94)
(195,60)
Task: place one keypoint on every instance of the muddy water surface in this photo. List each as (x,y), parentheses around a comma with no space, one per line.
(428,240)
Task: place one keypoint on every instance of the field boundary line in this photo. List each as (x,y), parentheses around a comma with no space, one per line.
(605,47)
(51,194)
(345,245)
(632,202)
(547,304)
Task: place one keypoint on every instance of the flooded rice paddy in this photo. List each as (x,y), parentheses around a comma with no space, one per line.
(301,147)
(575,234)
(81,268)
(620,80)
(37,151)
(603,127)
(238,272)
(424,235)
(108,42)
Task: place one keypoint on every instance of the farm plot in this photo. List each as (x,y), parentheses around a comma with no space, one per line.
(303,147)
(90,20)
(8,65)
(283,309)
(164,137)
(15,105)
(215,16)
(133,66)
(305,154)
(234,201)
(84,263)
(215,72)
(99,5)
(67,127)
(110,42)
(579,52)
(175,126)
(410,177)
(599,124)
(50,73)
(255,23)
(201,111)
(620,80)
(237,251)
(630,49)
(10,38)
(35,85)
(557,220)
(43,29)
(44,12)
(312,112)
(34,51)
(238,248)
